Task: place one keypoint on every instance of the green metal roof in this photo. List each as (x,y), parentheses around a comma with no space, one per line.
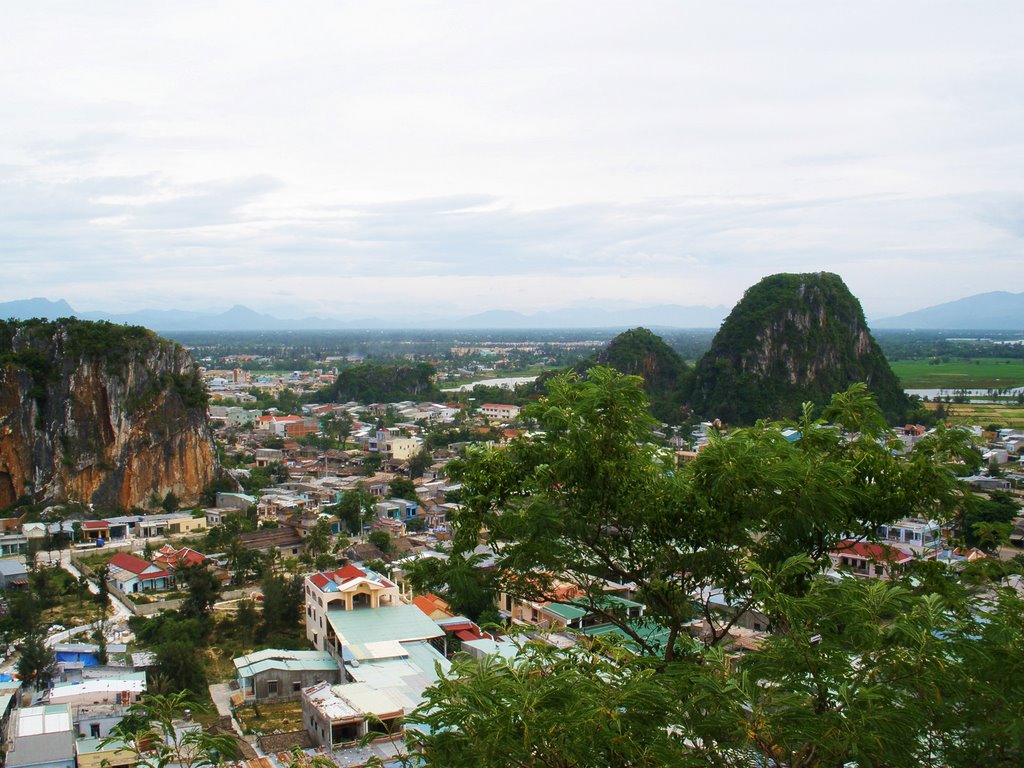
(400,623)
(296,661)
(577,609)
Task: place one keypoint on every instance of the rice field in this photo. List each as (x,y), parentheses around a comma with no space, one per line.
(1004,414)
(982,373)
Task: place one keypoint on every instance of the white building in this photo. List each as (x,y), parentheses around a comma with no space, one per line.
(499,411)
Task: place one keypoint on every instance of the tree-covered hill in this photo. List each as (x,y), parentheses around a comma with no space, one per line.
(792,338)
(380,382)
(639,352)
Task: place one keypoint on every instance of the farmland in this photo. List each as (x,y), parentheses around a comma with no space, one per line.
(999,414)
(980,373)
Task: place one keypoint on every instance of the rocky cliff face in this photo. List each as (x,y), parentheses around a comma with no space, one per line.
(792,338)
(99,413)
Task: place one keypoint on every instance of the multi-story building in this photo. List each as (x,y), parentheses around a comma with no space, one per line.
(347,589)
(923,537)
(499,411)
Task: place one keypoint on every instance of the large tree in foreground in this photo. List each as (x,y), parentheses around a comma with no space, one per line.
(592,499)
(853,672)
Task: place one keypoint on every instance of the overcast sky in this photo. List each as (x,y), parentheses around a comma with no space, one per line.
(334,158)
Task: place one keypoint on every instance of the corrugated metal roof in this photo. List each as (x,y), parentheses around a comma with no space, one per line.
(36,721)
(401,623)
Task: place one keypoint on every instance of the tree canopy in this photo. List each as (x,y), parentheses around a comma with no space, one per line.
(851,671)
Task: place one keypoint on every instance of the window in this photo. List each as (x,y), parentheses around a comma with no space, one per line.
(272,687)
(296,686)
(94,730)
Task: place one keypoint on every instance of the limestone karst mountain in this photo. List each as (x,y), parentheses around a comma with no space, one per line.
(99,413)
(792,338)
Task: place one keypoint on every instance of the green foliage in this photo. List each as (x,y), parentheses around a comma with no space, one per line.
(176,661)
(402,488)
(167,627)
(639,352)
(792,338)
(381,540)
(282,605)
(353,509)
(36,662)
(222,483)
(203,591)
(170,502)
(469,589)
(419,463)
(985,522)
(853,671)
(246,621)
(388,383)
(566,506)
(150,733)
(416,524)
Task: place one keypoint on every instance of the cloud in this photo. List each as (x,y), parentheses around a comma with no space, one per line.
(522,156)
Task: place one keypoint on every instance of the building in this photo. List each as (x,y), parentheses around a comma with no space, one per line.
(923,537)
(404,448)
(286,541)
(386,682)
(276,675)
(132,574)
(239,502)
(397,509)
(869,560)
(169,524)
(92,753)
(13,573)
(41,737)
(499,411)
(347,589)
(95,530)
(13,544)
(97,705)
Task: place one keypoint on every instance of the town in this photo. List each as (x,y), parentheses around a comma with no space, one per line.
(345,514)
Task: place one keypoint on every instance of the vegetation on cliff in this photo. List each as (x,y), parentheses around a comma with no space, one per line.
(792,338)
(99,413)
(639,352)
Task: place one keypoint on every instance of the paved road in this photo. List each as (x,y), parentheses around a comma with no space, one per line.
(220,693)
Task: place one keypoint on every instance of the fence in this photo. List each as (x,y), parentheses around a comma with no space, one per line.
(158,605)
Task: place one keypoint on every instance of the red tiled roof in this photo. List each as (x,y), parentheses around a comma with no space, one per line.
(467,635)
(425,604)
(320,580)
(129,563)
(349,572)
(870,551)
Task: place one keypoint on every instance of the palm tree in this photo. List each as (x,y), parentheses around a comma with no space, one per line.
(150,733)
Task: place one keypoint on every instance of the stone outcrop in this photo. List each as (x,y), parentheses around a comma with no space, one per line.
(99,413)
(792,338)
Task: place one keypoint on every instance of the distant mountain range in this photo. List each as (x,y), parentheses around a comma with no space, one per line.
(241,318)
(995,311)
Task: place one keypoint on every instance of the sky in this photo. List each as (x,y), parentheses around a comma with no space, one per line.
(339,158)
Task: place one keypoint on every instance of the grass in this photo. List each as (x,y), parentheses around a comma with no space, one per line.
(270,718)
(70,612)
(984,373)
